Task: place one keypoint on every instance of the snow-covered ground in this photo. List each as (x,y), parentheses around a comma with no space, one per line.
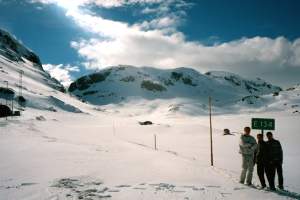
(99,155)
(62,148)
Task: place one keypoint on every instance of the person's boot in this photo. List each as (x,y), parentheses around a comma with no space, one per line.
(272,188)
(281,187)
(262,187)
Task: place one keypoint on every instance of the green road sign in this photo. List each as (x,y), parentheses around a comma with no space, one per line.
(263,124)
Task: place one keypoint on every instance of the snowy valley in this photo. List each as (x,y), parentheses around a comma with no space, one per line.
(86,142)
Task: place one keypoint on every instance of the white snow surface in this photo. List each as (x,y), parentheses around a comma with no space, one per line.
(62,148)
(102,152)
(107,154)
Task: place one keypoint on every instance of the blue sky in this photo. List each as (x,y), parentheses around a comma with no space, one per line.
(251,37)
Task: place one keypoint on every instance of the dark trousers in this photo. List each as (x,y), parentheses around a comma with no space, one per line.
(261,173)
(271,171)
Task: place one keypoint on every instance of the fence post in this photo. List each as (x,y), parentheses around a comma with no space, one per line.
(210,130)
(114,128)
(6,101)
(12,108)
(155,144)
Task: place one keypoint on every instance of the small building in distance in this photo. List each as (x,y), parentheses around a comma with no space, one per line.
(5,111)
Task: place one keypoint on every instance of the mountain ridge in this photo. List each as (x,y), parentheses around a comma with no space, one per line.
(14,50)
(23,81)
(155,83)
(147,88)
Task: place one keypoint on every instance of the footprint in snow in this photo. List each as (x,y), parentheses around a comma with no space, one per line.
(178,191)
(213,186)
(80,189)
(27,184)
(224,194)
(18,186)
(194,188)
(123,186)
(239,188)
(198,189)
(139,188)
(113,191)
(50,139)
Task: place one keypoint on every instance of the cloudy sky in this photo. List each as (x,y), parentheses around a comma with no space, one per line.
(254,38)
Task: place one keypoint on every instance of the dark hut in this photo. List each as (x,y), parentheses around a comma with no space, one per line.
(5,111)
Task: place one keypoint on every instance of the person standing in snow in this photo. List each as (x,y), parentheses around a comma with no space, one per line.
(261,159)
(247,148)
(274,165)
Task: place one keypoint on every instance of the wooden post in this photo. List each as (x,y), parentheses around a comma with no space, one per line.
(114,129)
(155,147)
(12,108)
(210,130)
(6,102)
(21,82)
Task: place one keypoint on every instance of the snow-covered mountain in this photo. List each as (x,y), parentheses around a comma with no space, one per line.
(12,51)
(288,100)
(146,89)
(125,83)
(39,89)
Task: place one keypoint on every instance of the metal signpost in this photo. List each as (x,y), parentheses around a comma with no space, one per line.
(263,124)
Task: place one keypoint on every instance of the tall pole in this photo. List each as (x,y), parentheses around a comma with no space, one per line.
(6,102)
(211,139)
(21,82)
(12,107)
(155,144)
(114,128)
(6,90)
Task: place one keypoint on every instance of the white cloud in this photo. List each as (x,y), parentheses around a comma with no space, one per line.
(167,22)
(61,72)
(100,3)
(157,42)
(153,48)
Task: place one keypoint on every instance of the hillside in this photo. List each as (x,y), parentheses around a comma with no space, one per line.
(38,90)
(125,84)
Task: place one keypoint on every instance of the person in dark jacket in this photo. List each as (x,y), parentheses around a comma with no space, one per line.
(261,159)
(275,158)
